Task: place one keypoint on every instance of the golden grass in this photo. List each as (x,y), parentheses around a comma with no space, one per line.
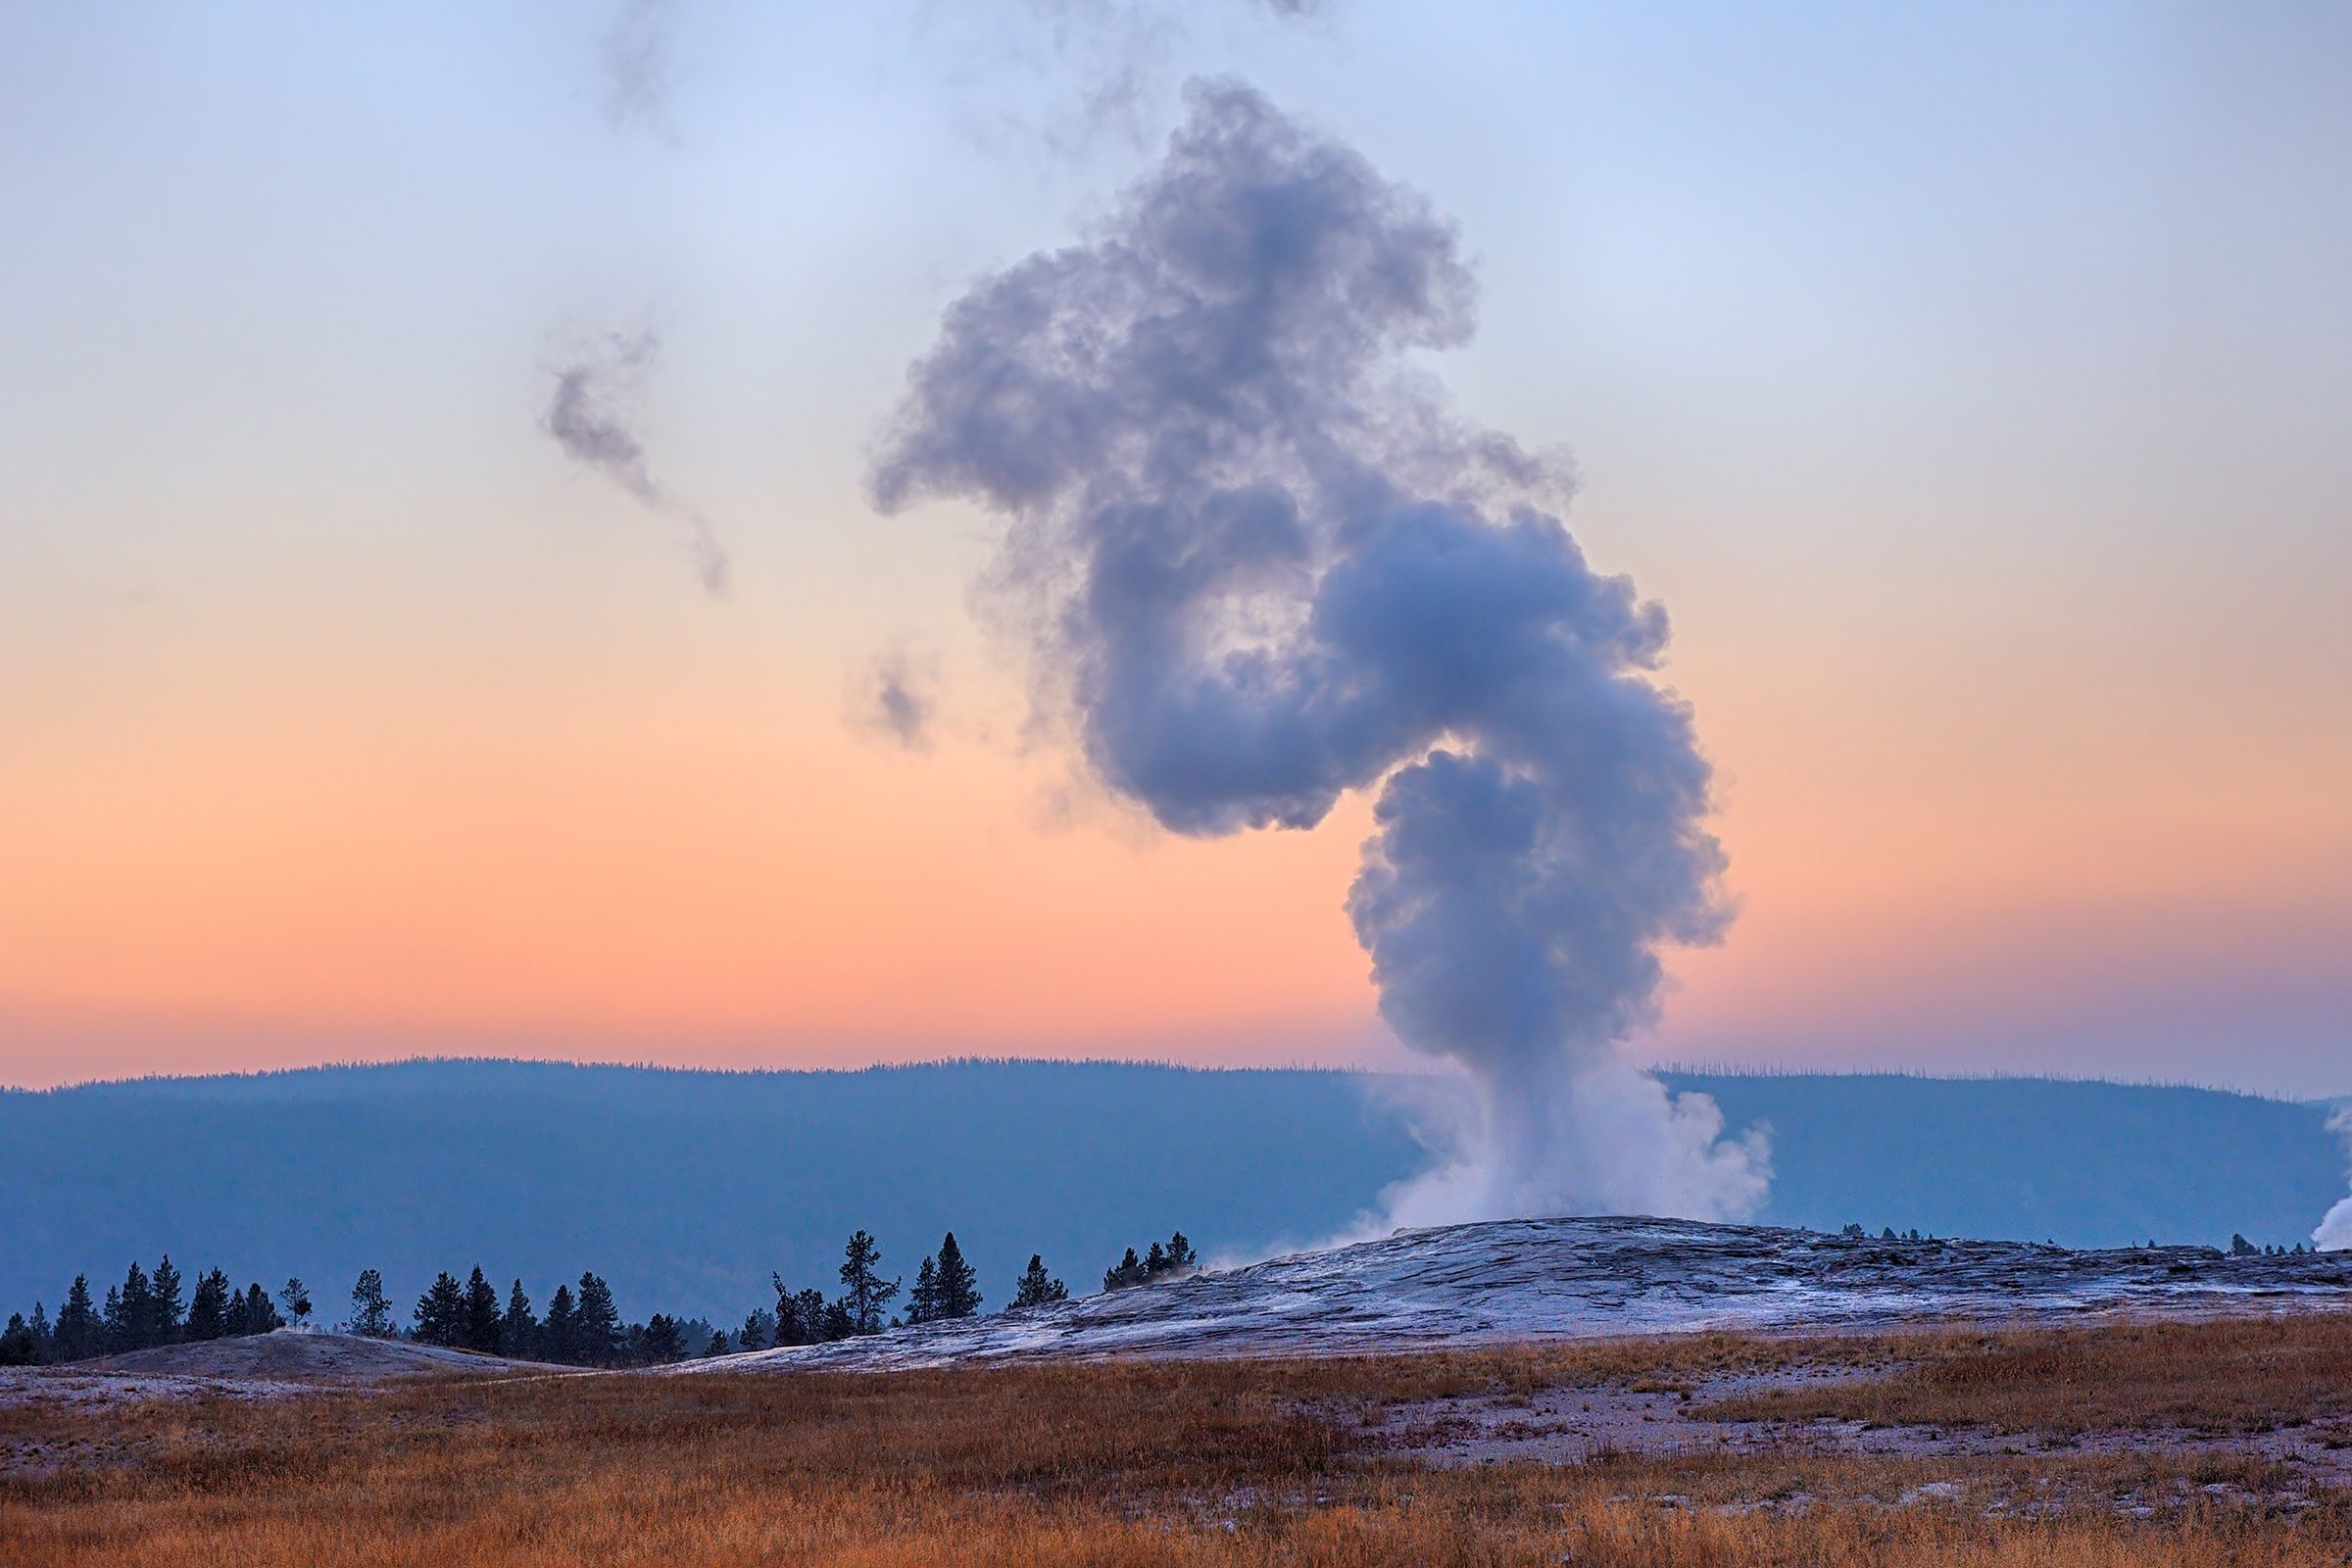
(1212,1463)
(2226,1375)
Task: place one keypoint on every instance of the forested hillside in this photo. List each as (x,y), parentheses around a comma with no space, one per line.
(686,1190)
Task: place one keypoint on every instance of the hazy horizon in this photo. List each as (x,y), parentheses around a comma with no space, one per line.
(1409,1068)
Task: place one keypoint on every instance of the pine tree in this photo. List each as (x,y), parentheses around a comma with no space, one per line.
(663,1342)
(208,1308)
(1181,1259)
(371,1312)
(865,1292)
(791,1327)
(560,1336)
(758,1326)
(837,1322)
(296,1299)
(1128,1273)
(518,1330)
(959,1281)
(717,1345)
(441,1311)
(923,1303)
(163,1307)
(118,1332)
(133,1322)
(44,1338)
(1155,1262)
(1036,1287)
(80,1334)
(799,1315)
(17,1346)
(597,1324)
(261,1317)
(234,1321)
(479,1329)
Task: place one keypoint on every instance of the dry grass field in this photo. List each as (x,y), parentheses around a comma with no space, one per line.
(1302,1462)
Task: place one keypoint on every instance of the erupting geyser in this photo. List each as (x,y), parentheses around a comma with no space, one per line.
(2334,1234)
(1261,566)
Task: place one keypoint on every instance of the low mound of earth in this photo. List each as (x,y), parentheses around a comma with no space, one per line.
(259,1366)
(1531,1280)
(299,1355)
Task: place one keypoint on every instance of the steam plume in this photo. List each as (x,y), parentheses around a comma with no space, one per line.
(637,64)
(2334,1234)
(595,400)
(1085,72)
(1264,571)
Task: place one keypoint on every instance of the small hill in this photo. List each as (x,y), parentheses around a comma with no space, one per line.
(1514,1281)
(302,1355)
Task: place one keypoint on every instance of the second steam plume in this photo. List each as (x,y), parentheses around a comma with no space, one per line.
(590,415)
(1261,567)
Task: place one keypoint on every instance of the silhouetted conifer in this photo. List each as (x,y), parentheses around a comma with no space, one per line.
(208,1308)
(163,1307)
(664,1340)
(131,1314)
(261,1315)
(923,1303)
(717,1345)
(560,1335)
(370,1312)
(865,1292)
(17,1346)
(959,1281)
(517,1329)
(799,1315)
(295,1296)
(80,1334)
(1127,1273)
(597,1324)
(1036,1287)
(758,1327)
(478,1329)
(441,1311)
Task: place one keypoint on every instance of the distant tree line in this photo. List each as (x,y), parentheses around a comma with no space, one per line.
(145,1310)
(1173,1261)
(581,1327)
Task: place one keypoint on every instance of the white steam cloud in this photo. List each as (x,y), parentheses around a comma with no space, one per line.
(2334,1234)
(594,402)
(1262,567)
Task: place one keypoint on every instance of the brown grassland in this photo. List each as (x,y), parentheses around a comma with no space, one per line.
(1213,1462)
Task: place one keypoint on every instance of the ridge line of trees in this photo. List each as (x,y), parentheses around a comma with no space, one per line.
(582,1325)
